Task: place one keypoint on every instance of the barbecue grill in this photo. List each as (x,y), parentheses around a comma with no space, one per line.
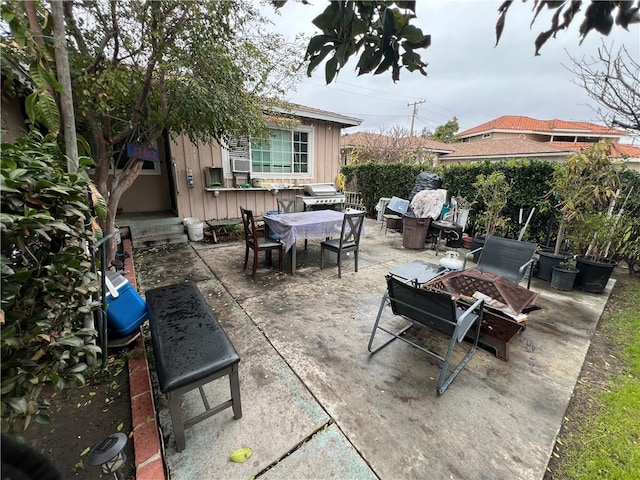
(320,196)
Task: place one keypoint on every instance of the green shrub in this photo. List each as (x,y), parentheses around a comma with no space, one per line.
(530,180)
(47,280)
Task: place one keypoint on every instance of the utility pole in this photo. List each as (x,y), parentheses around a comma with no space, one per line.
(413,115)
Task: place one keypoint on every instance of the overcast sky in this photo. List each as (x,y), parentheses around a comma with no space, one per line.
(467,77)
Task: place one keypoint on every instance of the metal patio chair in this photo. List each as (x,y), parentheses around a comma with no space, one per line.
(256,242)
(512,259)
(435,310)
(393,213)
(349,240)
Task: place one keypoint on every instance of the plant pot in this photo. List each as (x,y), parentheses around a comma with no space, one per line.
(546,262)
(563,278)
(594,274)
(467,240)
(477,243)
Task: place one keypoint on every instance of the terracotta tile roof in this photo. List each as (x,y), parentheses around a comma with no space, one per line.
(515,147)
(360,139)
(518,123)
(625,150)
(618,150)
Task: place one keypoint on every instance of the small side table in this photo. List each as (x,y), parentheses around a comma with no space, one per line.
(444,230)
(418,271)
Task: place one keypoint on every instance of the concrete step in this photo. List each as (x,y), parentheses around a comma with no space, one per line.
(155,230)
(152,241)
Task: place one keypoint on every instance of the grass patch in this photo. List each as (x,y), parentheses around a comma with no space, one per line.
(605,443)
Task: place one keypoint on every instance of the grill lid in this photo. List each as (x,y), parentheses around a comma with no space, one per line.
(320,190)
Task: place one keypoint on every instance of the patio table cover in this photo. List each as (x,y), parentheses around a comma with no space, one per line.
(313,224)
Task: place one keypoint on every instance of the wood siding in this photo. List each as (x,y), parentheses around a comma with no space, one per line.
(198,202)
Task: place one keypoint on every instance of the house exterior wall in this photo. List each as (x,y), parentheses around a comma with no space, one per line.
(13,121)
(217,203)
(150,191)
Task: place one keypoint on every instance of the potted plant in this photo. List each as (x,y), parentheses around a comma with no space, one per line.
(564,274)
(494,191)
(596,237)
(586,188)
(547,259)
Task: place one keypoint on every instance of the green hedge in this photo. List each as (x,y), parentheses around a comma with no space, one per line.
(531,180)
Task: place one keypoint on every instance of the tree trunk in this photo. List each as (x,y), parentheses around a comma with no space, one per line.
(120,184)
(560,237)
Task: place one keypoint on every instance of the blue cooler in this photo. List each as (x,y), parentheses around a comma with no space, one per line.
(126,309)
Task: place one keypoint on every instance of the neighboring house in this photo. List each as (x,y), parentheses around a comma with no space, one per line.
(363,146)
(201,180)
(510,126)
(514,136)
(504,149)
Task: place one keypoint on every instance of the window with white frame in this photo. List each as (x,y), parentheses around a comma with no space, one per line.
(286,152)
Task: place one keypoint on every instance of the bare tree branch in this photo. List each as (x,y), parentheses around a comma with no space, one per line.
(613,81)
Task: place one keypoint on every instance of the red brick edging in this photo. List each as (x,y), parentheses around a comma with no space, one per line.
(146,441)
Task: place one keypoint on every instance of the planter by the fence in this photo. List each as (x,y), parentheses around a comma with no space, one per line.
(563,278)
(546,262)
(594,274)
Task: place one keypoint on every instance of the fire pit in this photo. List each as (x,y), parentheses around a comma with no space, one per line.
(505,304)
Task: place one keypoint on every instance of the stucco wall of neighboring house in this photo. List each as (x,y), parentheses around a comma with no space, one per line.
(13,122)
(201,203)
(507,135)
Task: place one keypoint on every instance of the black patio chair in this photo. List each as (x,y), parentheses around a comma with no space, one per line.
(257,243)
(435,310)
(349,240)
(512,259)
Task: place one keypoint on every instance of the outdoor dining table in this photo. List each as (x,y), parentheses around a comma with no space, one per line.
(290,227)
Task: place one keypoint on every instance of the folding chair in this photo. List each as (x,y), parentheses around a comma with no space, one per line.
(435,310)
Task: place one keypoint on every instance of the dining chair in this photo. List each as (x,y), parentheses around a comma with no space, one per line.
(257,242)
(287,205)
(349,240)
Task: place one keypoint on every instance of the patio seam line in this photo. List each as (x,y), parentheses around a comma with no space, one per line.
(293,371)
(147,468)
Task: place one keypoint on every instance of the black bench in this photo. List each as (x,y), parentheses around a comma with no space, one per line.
(191,349)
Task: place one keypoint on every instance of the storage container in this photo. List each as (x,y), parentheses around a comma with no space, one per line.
(414,231)
(126,310)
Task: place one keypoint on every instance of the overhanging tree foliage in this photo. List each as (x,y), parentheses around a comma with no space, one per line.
(380,34)
(139,69)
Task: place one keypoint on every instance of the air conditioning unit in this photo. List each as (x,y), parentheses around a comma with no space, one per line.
(241,165)
(239,154)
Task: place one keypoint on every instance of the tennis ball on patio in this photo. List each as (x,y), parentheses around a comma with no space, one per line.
(240,455)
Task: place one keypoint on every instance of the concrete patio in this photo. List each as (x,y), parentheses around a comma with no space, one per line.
(316,404)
